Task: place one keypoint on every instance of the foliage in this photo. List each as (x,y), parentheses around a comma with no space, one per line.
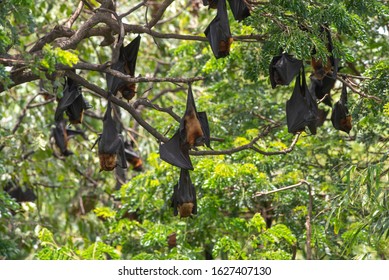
(80,214)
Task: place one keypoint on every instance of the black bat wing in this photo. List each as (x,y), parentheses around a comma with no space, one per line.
(205,127)
(172,152)
(190,108)
(130,55)
(301,109)
(283,69)
(340,117)
(71,92)
(184,192)
(61,138)
(115,83)
(110,141)
(239,9)
(218,32)
(322,87)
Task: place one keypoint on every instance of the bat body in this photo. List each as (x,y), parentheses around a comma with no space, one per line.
(322,87)
(341,118)
(283,69)
(125,64)
(212,4)
(111,146)
(321,68)
(301,108)
(72,103)
(218,32)
(194,128)
(61,139)
(239,9)
(193,131)
(132,157)
(184,196)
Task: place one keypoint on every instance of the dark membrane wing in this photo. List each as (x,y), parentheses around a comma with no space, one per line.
(61,137)
(283,69)
(189,109)
(321,117)
(71,92)
(205,127)
(211,3)
(173,153)
(184,196)
(218,32)
(115,83)
(76,109)
(130,54)
(301,109)
(340,117)
(322,87)
(239,9)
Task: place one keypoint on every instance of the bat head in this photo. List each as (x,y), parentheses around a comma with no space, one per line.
(107,162)
(185,209)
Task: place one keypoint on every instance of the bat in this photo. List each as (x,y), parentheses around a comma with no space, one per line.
(72,103)
(218,32)
(20,194)
(301,108)
(194,128)
(322,87)
(321,69)
(132,157)
(184,196)
(174,152)
(340,117)
(321,117)
(111,146)
(125,64)
(193,131)
(61,135)
(239,9)
(283,68)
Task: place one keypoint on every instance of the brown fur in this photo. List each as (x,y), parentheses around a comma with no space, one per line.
(224,47)
(185,209)
(107,162)
(320,70)
(345,124)
(128,91)
(78,121)
(137,164)
(193,128)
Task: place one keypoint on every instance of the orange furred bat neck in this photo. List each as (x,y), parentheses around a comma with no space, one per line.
(224,47)
(107,162)
(320,70)
(193,129)
(345,124)
(185,209)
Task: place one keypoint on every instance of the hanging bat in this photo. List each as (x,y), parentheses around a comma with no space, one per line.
(341,118)
(194,128)
(19,193)
(72,103)
(132,157)
(218,32)
(283,68)
(239,9)
(194,131)
(322,87)
(184,196)
(61,135)
(301,108)
(320,68)
(125,64)
(111,146)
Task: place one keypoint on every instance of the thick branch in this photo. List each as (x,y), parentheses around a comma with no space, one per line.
(128,107)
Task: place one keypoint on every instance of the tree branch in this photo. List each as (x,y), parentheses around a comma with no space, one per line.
(159,13)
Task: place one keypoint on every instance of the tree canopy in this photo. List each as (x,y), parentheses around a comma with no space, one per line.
(262,191)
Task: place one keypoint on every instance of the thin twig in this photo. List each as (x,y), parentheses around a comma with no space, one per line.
(358,92)
(302,182)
